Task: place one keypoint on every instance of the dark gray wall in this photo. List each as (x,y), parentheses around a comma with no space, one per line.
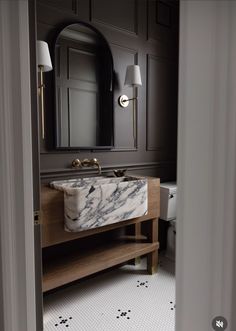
(141,32)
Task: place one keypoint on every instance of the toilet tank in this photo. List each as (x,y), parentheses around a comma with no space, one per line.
(168,201)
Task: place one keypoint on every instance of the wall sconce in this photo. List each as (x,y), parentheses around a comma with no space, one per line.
(44,64)
(132,79)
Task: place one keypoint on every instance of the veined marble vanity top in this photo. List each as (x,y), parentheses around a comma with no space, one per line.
(98,201)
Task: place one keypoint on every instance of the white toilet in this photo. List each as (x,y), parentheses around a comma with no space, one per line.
(168,195)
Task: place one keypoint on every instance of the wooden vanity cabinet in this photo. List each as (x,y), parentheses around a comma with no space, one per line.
(74,260)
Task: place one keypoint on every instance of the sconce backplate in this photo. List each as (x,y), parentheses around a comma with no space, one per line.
(123,101)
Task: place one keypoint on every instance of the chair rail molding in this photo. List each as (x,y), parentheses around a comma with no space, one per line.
(206,269)
(17,287)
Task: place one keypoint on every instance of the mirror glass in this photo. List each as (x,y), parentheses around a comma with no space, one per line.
(84,89)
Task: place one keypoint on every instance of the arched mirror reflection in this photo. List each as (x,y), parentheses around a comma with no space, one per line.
(84,89)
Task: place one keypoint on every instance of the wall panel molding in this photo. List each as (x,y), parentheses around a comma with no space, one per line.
(129,24)
(123,117)
(161,100)
(162,23)
(54,16)
(163,14)
(69,6)
(49,174)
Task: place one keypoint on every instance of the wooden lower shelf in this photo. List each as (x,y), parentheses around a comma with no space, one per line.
(71,267)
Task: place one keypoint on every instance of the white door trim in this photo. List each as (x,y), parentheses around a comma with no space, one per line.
(206,164)
(16,202)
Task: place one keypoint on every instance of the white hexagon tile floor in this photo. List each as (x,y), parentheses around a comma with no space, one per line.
(123,299)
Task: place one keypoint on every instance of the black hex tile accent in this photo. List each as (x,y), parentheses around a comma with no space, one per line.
(63,322)
(142,284)
(123,314)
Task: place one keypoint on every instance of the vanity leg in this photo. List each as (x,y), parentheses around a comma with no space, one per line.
(152,258)
(138,233)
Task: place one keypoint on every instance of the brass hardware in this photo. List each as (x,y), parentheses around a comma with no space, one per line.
(41,94)
(76,163)
(123,101)
(92,163)
(135,119)
(95,162)
(37,220)
(86,163)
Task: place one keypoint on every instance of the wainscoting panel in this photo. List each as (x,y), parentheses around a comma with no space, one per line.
(161,100)
(124,119)
(69,6)
(163,20)
(110,13)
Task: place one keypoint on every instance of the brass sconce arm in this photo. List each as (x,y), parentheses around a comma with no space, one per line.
(41,87)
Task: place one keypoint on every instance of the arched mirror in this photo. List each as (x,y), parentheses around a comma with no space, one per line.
(84,89)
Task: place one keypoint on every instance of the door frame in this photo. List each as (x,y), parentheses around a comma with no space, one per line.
(17,288)
(206,232)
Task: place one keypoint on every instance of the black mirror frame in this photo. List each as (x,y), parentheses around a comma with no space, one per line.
(57,32)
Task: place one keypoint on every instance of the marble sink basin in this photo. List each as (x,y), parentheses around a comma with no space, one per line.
(98,201)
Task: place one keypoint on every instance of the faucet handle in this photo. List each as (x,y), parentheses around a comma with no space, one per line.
(76,163)
(94,161)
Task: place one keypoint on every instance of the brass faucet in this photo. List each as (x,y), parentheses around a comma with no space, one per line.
(87,163)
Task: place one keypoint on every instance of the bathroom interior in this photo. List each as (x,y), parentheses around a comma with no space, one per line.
(106,93)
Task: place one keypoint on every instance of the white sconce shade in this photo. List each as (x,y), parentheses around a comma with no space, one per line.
(43,56)
(133,76)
